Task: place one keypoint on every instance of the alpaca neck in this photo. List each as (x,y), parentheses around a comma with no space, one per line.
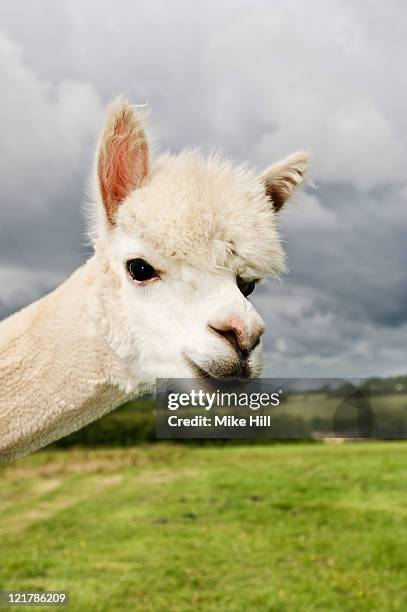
(55,367)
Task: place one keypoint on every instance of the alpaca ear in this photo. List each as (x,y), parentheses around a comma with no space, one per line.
(122,159)
(281,179)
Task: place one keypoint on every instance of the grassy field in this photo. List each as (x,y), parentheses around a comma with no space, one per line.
(166,527)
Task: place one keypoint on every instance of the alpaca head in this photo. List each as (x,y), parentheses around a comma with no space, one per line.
(183,241)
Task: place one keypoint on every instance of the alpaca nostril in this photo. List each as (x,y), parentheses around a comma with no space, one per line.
(243,337)
(230,335)
(234,332)
(256,343)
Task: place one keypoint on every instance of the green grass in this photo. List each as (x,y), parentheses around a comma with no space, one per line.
(167,527)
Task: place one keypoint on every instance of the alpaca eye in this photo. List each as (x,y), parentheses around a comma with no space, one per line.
(140,270)
(246,287)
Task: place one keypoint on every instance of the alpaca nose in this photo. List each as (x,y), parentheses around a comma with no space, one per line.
(242,339)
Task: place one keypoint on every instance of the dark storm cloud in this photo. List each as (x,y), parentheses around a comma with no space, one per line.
(361,257)
(256,79)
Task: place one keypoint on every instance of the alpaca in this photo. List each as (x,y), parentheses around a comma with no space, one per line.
(179,244)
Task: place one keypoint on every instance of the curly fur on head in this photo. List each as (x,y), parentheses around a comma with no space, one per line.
(203,224)
(188,206)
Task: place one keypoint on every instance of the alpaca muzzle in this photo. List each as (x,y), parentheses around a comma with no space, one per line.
(239,340)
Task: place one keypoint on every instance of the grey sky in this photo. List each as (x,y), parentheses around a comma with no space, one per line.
(256,79)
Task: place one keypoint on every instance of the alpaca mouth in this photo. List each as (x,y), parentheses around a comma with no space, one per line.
(222,371)
(198,372)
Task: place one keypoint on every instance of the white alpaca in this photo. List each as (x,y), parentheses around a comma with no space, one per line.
(178,246)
